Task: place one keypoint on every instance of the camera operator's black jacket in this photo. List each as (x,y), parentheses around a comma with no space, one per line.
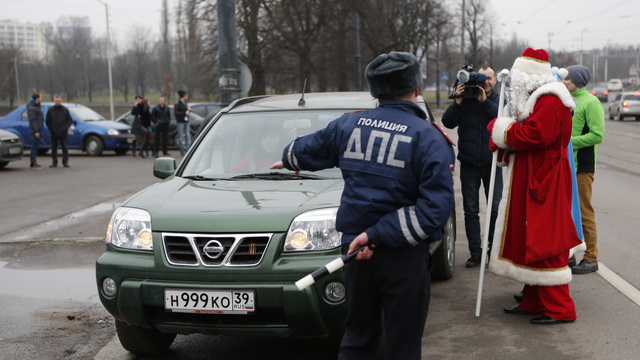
(472,117)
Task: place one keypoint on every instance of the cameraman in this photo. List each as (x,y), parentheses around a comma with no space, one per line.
(472,116)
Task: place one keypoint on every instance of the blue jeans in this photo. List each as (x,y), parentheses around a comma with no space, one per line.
(184,136)
(470,178)
(35,144)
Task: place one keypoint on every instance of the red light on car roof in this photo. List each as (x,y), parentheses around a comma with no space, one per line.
(636,94)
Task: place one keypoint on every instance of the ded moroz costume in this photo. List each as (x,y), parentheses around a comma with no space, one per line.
(534,230)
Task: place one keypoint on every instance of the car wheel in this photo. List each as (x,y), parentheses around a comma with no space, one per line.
(445,257)
(42,151)
(619,117)
(94,145)
(175,140)
(610,114)
(143,341)
(121,151)
(3,164)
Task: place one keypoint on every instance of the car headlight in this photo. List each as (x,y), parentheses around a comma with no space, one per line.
(313,230)
(131,229)
(112,132)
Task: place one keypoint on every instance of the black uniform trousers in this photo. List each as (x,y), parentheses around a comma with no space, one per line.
(162,134)
(54,149)
(396,283)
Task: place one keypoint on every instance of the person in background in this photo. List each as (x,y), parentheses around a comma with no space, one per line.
(136,125)
(161,117)
(471,117)
(587,133)
(182,110)
(36,124)
(146,131)
(59,121)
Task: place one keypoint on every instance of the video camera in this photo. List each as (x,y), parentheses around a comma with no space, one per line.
(471,80)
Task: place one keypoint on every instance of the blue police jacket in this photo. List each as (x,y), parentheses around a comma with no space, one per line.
(397,169)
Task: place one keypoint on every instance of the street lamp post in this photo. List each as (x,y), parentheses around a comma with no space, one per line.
(106,9)
(581,43)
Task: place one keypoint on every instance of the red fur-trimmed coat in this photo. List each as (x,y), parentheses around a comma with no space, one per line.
(534,230)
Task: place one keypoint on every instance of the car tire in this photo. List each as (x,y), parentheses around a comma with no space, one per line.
(610,114)
(94,145)
(121,151)
(42,151)
(445,257)
(3,164)
(619,117)
(143,341)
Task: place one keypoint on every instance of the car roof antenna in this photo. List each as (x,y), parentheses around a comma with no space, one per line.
(301,102)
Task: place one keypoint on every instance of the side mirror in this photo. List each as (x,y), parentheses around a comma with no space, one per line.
(164,167)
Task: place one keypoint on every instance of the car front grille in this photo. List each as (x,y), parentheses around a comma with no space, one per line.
(215,250)
(10,141)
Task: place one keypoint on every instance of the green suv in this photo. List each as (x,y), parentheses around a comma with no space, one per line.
(216,248)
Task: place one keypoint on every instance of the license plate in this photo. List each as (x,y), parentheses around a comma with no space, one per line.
(209,301)
(130,140)
(14,150)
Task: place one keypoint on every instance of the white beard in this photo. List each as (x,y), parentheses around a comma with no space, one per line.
(524,85)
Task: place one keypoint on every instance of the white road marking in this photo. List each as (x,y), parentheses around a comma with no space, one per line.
(40,231)
(619,283)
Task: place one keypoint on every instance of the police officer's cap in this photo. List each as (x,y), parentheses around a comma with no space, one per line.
(393,74)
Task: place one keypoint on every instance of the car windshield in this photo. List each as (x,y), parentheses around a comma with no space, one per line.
(249,143)
(85,114)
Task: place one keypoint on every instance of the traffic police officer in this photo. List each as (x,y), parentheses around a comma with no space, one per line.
(397,197)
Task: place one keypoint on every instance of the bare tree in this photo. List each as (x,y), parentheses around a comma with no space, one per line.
(477,28)
(140,49)
(165,55)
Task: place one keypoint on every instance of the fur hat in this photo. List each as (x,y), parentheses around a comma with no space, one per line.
(534,62)
(579,75)
(393,74)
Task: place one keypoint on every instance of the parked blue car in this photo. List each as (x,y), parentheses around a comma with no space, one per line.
(90,132)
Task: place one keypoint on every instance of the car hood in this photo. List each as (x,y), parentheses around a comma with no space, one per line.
(182,205)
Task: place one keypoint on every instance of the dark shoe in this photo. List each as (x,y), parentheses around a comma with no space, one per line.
(35,165)
(572,262)
(166,154)
(516,310)
(473,261)
(53,165)
(518,297)
(548,320)
(585,267)
(142,154)
(66,165)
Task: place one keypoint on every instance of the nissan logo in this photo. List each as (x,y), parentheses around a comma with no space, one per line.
(213,249)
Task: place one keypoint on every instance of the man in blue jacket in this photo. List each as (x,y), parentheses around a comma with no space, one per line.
(398,195)
(472,116)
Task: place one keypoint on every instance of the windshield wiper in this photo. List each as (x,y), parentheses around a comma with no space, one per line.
(202,178)
(278,176)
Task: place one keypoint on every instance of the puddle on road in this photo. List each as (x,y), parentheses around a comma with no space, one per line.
(64,284)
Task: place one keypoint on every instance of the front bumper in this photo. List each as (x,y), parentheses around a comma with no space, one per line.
(118,141)
(281,310)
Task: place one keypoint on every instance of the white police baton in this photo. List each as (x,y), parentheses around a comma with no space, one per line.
(327,269)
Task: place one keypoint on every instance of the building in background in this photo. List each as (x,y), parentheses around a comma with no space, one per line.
(30,38)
